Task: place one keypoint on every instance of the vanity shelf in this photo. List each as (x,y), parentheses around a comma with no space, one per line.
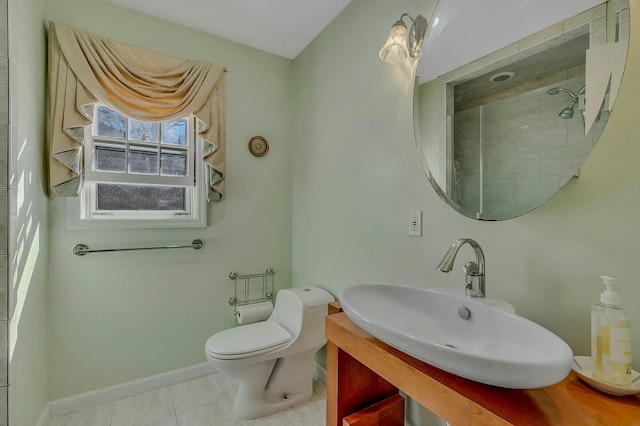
(362,371)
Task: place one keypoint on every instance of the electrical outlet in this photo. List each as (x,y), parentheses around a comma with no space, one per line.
(415,223)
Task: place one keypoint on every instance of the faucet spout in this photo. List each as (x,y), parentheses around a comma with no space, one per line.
(475,276)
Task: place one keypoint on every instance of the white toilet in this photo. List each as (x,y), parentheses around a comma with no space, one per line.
(273,359)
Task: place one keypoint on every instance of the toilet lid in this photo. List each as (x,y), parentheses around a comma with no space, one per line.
(247,340)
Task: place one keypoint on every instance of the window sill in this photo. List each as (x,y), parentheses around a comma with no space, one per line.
(75,222)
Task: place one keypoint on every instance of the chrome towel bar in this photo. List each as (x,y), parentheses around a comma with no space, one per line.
(82,249)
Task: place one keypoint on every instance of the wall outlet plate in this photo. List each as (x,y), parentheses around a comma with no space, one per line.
(415,223)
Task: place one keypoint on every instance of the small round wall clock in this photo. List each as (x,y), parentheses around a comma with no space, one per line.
(258,146)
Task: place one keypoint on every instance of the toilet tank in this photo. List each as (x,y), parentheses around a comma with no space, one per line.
(301,312)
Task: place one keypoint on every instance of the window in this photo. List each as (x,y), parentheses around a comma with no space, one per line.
(139,174)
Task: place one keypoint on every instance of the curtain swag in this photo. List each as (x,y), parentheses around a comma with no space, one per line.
(86,69)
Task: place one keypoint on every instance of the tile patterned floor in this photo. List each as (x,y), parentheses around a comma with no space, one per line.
(205,401)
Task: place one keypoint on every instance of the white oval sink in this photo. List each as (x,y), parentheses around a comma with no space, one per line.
(494,346)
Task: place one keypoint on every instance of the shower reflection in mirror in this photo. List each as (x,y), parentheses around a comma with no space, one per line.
(514,132)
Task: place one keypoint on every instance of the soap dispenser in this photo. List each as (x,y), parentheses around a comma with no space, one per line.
(611,338)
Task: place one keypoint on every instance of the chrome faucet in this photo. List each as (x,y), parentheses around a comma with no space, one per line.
(474,271)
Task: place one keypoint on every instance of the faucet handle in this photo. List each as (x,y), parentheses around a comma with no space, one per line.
(471,268)
(473,280)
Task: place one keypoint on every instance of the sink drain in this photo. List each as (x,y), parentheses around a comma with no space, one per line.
(464,312)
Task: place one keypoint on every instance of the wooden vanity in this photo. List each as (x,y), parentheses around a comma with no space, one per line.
(364,376)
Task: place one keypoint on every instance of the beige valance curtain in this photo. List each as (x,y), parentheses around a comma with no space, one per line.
(86,68)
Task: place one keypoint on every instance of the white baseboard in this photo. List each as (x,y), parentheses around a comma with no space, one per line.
(320,372)
(81,401)
(45,417)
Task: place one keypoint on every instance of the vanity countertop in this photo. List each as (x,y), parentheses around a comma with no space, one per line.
(465,402)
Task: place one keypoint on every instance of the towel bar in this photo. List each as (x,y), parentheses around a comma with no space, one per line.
(82,249)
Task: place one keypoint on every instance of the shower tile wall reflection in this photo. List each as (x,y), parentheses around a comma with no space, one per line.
(497,143)
(528,151)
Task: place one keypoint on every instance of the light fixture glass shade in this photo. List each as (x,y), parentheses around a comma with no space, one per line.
(395,49)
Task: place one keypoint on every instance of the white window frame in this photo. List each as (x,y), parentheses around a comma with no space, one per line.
(91,175)
(81,212)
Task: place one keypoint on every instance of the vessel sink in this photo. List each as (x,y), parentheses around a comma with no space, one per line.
(492,346)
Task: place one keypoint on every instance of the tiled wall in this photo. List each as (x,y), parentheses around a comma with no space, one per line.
(5,203)
(529,152)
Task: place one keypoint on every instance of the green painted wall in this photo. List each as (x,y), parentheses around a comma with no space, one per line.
(28,259)
(357,174)
(343,169)
(116,317)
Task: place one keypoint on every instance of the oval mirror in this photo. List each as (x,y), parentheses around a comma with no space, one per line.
(507,106)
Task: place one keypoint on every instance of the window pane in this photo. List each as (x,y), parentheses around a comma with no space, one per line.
(174,132)
(134,197)
(109,123)
(174,162)
(110,157)
(143,160)
(143,131)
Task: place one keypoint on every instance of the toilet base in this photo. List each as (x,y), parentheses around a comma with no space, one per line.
(276,386)
(246,408)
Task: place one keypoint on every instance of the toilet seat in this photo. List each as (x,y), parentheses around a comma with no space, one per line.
(247,340)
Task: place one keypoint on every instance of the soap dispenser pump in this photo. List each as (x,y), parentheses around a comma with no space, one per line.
(611,338)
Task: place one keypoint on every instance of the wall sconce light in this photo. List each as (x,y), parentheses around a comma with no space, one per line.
(402,44)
